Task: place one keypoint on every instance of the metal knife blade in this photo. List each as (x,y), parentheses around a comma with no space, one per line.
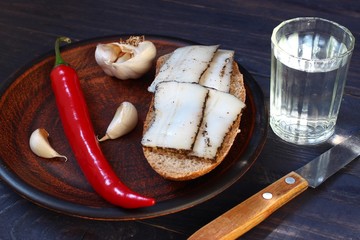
(258,207)
(331,161)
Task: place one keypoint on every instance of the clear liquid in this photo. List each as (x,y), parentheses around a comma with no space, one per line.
(306,95)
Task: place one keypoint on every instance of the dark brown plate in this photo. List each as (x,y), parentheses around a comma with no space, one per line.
(27,103)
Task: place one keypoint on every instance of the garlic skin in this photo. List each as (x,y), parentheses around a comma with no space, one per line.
(123,122)
(126,60)
(40,145)
(106,54)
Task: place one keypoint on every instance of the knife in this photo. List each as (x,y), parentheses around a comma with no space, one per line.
(255,209)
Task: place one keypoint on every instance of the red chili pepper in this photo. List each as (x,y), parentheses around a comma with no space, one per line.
(79,131)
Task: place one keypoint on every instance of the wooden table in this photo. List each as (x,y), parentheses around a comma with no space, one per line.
(332,211)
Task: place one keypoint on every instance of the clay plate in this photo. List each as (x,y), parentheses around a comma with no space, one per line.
(27,103)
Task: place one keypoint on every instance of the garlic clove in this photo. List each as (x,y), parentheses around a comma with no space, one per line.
(139,64)
(40,145)
(123,122)
(126,60)
(105,54)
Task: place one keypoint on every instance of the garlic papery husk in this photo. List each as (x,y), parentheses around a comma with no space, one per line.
(40,145)
(128,59)
(124,121)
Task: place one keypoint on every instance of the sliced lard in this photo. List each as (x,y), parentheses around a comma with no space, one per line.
(218,74)
(186,64)
(221,110)
(178,113)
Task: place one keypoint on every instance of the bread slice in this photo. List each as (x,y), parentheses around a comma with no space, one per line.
(179,166)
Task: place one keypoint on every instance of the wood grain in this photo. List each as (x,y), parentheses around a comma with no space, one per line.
(243,217)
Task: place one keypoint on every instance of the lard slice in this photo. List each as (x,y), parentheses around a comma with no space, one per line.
(186,64)
(178,113)
(218,74)
(221,110)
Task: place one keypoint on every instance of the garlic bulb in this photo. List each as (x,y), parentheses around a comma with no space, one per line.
(40,145)
(125,120)
(128,59)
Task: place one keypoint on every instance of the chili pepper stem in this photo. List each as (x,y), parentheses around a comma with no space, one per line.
(58,59)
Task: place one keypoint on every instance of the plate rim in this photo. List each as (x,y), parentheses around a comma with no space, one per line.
(256,143)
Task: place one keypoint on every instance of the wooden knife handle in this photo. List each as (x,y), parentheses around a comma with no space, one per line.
(254,210)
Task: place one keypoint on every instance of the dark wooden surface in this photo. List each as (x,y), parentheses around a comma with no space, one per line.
(332,211)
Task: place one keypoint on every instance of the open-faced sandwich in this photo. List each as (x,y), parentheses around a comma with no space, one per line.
(195,113)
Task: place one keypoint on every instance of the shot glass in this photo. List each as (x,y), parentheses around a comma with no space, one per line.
(309,65)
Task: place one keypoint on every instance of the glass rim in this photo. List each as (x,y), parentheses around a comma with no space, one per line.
(298,19)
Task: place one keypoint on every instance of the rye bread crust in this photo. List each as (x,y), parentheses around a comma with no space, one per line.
(179,166)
